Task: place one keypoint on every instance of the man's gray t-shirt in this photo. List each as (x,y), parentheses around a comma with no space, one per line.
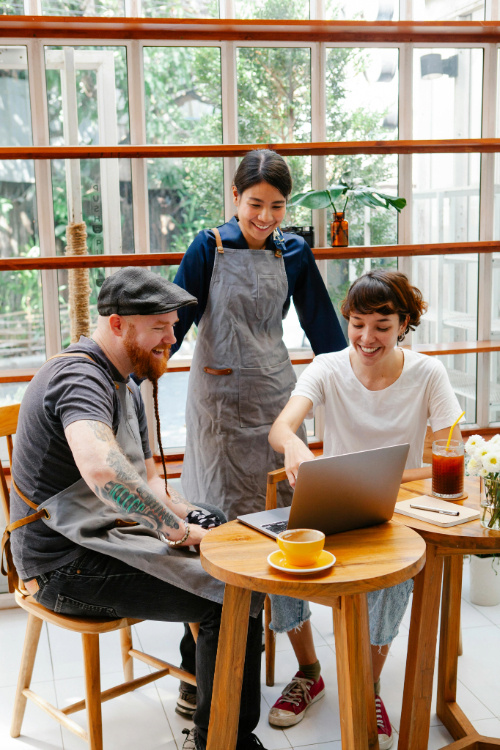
(64,390)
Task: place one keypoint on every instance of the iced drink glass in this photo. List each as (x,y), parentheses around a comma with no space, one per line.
(447,469)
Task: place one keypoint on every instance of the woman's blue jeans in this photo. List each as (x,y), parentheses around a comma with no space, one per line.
(385,609)
(96,585)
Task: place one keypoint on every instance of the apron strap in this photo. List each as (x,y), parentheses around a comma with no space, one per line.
(7,564)
(71,354)
(218,241)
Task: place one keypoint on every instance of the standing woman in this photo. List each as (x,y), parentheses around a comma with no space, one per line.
(244,274)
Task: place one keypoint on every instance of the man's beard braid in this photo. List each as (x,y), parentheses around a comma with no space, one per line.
(146,365)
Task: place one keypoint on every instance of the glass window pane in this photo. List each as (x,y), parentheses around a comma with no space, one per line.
(15,110)
(445,198)
(449,284)
(496,205)
(362,94)
(447,93)
(281,9)
(172,395)
(83,7)
(96,77)
(448,10)
(495,387)
(362,10)
(13,8)
(183,94)
(180,8)
(185,196)
(274,94)
(22,335)
(461,369)
(107,213)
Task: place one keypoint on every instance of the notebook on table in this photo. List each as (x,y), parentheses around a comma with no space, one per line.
(339,493)
(430,516)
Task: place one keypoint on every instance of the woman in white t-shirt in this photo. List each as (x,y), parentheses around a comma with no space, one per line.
(374,394)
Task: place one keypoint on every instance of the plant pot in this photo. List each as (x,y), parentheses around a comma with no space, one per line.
(490,503)
(485,580)
(339,229)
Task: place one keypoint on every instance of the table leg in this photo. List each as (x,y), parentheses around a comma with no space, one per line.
(358,723)
(228,678)
(417,694)
(448,711)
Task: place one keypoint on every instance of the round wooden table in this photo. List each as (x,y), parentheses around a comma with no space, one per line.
(445,549)
(367,560)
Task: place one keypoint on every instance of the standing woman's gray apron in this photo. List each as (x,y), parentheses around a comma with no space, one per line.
(241,378)
(78,514)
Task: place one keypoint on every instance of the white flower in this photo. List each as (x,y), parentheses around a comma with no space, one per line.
(483,473)
(495,440)
(473,467)
(491,462)
(473,443)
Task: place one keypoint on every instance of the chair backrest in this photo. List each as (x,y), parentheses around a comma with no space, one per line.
(8,426)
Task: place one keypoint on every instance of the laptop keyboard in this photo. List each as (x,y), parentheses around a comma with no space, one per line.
(276,527)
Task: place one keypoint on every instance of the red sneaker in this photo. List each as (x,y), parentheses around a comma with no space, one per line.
(385,738)
(295,699)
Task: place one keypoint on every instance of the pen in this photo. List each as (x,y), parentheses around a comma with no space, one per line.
(436,510)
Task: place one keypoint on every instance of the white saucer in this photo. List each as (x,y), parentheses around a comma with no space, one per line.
(278,561)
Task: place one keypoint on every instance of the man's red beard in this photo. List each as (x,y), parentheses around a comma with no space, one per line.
(145,364)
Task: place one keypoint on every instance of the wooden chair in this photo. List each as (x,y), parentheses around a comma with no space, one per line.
(89,628)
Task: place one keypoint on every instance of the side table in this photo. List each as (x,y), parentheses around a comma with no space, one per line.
(445,549)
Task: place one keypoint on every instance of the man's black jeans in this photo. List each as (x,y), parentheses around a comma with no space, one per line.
(95,585)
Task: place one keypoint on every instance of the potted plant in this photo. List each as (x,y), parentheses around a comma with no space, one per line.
(484,461)
(367,196)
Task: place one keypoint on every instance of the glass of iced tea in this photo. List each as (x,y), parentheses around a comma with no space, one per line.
(447,469)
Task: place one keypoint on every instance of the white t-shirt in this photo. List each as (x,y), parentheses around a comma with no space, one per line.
(357,419)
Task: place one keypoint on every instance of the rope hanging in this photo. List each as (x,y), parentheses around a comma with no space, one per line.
(78,283)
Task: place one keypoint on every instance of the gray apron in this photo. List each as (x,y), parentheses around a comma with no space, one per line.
(241,378)
(78,514)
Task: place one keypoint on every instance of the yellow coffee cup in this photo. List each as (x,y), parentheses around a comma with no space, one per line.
(301,547)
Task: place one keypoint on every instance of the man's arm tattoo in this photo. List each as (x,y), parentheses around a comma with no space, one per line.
(124,471)
(100,430)
(141,503)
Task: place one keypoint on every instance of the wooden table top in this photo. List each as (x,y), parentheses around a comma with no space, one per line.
(366,559)
(470,536)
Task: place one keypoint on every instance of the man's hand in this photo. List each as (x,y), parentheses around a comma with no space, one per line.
(196,534)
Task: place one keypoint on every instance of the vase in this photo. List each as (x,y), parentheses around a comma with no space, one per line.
(339,230)
(485,580)
(490,503)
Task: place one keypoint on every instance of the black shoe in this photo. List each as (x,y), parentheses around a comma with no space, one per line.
(252,742)
(186,703)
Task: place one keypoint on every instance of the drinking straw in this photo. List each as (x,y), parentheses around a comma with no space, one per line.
(451,429)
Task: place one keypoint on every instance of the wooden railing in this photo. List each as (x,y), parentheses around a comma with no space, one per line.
(183,29)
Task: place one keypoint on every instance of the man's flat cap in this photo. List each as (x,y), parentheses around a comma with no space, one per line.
(137,291)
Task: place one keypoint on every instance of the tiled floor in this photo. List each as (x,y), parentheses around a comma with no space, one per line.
(146,719)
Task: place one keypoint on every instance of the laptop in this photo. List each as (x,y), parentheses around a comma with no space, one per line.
(339,493)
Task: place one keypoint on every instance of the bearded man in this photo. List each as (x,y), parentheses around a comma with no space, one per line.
(105,537)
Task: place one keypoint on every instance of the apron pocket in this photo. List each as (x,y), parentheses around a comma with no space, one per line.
(263,392)
(267,295)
